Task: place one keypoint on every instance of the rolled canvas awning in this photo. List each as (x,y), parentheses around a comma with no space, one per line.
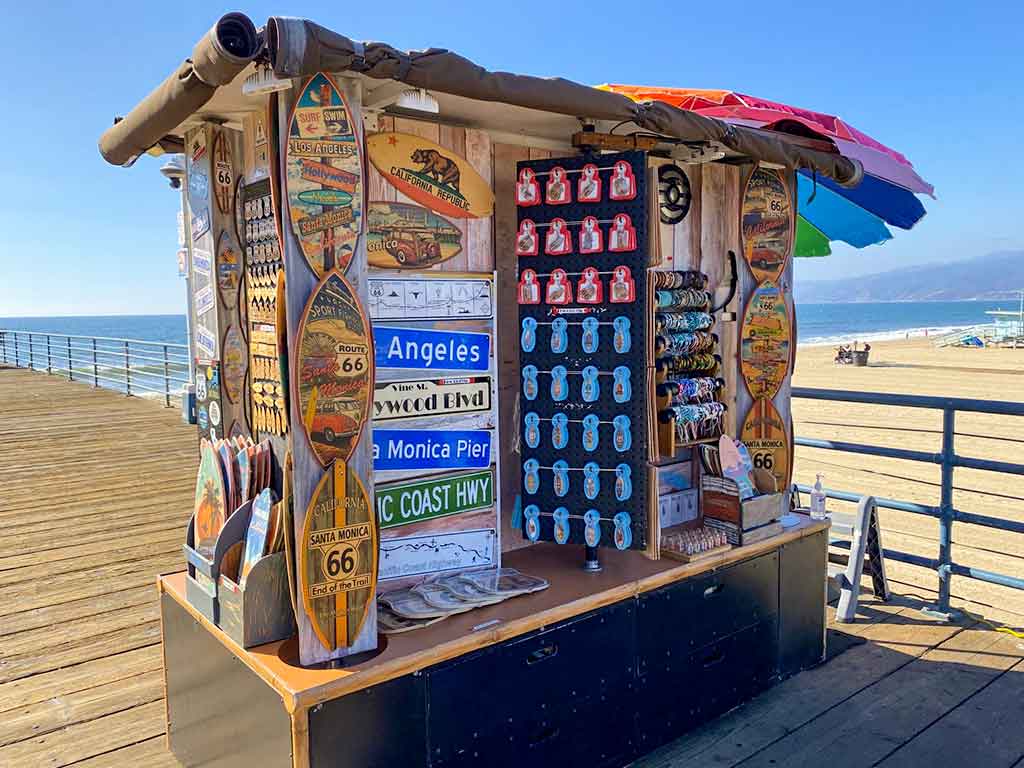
(299,48)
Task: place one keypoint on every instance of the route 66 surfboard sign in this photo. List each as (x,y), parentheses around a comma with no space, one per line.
(324,175)
(334,369)
(764,434)
(338,557)
(765,340)
(766,224)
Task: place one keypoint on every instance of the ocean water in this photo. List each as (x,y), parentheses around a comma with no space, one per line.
(816,323)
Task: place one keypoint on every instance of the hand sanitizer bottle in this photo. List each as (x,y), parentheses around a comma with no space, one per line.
(818,500)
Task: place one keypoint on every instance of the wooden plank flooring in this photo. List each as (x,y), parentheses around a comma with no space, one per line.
(96,493)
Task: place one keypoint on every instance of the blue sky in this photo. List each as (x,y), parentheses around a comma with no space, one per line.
(939,81)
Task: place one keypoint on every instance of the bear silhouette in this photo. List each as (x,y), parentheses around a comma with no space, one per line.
(442,169)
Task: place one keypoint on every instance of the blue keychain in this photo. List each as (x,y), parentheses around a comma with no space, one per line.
(530,382)
(592,533)
(560,481)
(590,437)
(532,514)
(561,518)
(623,438)
(559,430)
(623,530)
(591,387)
(528,338)
(623,482)
(559,336)
(621,339)
(559,385)
(590,335)
(591,480)
(531,475)
(622,390)
(532,429)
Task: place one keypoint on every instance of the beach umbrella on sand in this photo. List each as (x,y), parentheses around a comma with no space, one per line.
(860,216)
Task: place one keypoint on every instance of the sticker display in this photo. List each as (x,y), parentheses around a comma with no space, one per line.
(436,553)
(431,175)
(766,224)
(333,369)
(407,236)
(765,339)
(442,496)
(766,439)
(433,298)
(338,557)
(324,175)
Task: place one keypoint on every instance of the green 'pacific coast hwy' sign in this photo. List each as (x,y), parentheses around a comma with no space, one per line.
(403,503)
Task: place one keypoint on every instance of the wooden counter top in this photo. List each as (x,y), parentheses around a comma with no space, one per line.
(572,592)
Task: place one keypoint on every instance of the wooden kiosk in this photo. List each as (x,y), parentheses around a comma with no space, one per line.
(464,231)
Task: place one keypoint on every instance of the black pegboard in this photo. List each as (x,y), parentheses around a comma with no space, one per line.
(574,359)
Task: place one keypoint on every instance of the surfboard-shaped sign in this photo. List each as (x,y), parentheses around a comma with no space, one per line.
(229,269)
(406,236)
(234,363)
(431,298)
(764,434)
(765,340)
(766,224)
(223,173)
(324,175)
(334,369)
(431,175)
(338,557)
(211,501)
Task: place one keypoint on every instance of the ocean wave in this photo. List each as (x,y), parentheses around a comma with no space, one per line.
(888,335)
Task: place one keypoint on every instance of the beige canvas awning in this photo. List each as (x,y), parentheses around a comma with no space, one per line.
(299,48)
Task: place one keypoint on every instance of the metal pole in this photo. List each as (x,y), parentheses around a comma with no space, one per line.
(187,244)
(946,510)
(49,362)
(31,363)
(3,340)
(71,368)
(17,352)
(167,380)
(95,367)
(127,371)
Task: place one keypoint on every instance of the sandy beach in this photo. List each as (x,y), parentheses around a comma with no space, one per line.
(917,367)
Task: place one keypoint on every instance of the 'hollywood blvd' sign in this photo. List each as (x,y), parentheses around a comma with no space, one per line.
(409,449)
(420,349)
(414,502)
(431,397)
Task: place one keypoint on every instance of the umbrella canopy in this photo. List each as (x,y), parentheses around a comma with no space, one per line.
(859,216)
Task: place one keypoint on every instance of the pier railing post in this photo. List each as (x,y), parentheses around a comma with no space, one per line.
(49,361)
(127,370)
(17,352)
(71,368)
(167,380)
(95,365)
(946,517)
(31,362)
(3,341)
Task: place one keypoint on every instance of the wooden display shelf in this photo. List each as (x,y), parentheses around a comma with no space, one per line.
(572,593)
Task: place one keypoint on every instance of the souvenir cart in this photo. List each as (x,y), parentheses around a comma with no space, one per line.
(450,321)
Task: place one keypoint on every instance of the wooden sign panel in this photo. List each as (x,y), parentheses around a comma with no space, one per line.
(338,557)
(324,180)
(211,501)
(431,298)
(765,436)
(767,224)
(431,175)
(333,369)
(406,236)
(765,341)
(436,553)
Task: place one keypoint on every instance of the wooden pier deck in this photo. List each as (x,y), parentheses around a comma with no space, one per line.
(96,489)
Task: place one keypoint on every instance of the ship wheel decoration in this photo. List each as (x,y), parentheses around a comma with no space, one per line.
(673,194)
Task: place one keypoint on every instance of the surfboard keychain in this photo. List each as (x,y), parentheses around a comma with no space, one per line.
(590,433)
(526,238)
(622,437)
(623,535)
(560,479)
(621,338)
(559,430)
(588,187)
(528,337)
(591,388)
(590,338)
(527,189)
(532,431)
(561,519)
(559,336)
(591,237)
(531,475)
(591,480)
(532,515)
(530,382)
(589,289)
(622,389)
(557,190)
(592,532)
(559,383)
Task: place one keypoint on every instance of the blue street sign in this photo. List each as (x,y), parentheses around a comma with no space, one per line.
(431,449)
(431,350)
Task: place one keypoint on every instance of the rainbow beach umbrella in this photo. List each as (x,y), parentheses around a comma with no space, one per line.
(861,215)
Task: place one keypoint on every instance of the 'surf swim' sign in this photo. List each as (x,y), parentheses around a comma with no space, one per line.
(414,502)
(430,397)
(431,350)
(410,449)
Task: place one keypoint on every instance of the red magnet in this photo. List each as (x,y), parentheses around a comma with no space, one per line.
(622,289)
(527,190)
(591,237)
(559,289)
(558,240)
(589,289)
(588,188)
(557,189)
(623,184)
(622,236)
(526,239)
(529,288)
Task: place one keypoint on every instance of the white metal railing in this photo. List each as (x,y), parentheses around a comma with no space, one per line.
(131,366)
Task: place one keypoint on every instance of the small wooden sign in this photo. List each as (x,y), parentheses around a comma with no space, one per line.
(223,173)
(229,269)
(210,501)
(431,397)
(234,363)
(766,224)
(431,298)
(406,236)
(333,369)
(765,341)
(324,175)
(338,557)
(765,436)
(435,553)
(431,175)
(432,497)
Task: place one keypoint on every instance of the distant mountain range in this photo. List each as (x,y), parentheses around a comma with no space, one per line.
(995,276)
